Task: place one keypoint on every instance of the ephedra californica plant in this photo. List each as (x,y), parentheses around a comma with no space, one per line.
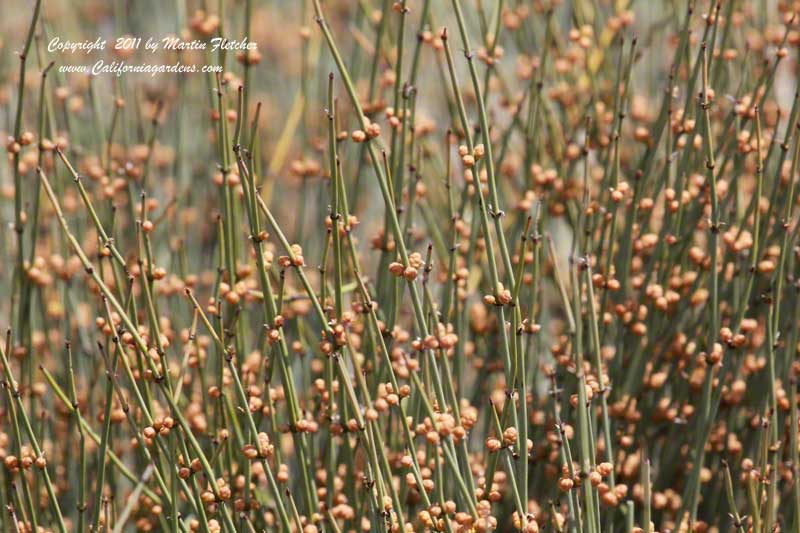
(462,265)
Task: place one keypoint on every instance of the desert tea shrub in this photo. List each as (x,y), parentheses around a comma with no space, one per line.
(413,265)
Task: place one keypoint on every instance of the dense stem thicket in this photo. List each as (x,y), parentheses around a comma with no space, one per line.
(406,266)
